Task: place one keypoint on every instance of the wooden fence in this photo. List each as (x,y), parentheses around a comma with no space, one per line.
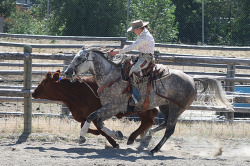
(24,93)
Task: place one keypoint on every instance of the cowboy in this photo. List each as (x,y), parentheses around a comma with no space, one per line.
(144,44)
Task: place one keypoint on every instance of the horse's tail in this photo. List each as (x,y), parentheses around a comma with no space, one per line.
(212,93)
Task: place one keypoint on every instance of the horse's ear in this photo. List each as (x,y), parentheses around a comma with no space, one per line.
(56,76)
(48,75)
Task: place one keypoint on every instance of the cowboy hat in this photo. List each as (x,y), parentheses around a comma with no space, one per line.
(137,24)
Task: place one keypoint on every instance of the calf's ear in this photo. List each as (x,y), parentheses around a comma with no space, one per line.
(56,76)
(48,75)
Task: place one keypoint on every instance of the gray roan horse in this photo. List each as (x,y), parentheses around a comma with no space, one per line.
(177,87)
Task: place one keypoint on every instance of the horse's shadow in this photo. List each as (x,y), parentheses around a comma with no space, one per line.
(119,154)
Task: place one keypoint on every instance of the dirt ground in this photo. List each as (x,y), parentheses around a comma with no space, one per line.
(47,149)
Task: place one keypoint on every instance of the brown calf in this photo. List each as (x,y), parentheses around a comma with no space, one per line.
(81,102)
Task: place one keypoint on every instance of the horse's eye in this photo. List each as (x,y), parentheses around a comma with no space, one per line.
(79,58)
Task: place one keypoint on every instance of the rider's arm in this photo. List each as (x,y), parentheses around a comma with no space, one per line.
(134,46)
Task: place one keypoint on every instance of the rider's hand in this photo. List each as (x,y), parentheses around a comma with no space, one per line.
(113,53)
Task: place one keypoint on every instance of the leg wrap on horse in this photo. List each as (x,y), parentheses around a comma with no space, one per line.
(86,125)
(112,133)
(106,130)
(85,129)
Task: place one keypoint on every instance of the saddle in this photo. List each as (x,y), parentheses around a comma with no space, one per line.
(150,74)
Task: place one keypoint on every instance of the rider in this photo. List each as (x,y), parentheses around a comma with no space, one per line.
(145,45)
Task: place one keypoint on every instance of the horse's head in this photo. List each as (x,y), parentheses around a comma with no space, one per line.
(81,63)
(45,90)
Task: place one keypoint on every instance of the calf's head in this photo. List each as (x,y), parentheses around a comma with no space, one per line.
(46,89)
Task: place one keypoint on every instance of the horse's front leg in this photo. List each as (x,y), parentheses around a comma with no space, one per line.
(92,131)
(111,133)
(111,140)
(85,126)
(101,114)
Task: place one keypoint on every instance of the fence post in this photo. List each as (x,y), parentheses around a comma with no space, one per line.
(1,24)
(123,41)
(27,87)
(230,86)
(157,55)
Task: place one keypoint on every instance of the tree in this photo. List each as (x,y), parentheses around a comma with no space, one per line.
(6,7)
(188,19)
(23,21)
(227,22)
(160,14)
(88,18)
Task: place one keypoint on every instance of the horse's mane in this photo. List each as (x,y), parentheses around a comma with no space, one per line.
(88,79)
(104,53)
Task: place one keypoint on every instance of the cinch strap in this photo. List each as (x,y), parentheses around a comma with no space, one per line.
(108,84)
(146,101)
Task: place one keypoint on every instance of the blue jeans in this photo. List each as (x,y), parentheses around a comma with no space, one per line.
(135,92)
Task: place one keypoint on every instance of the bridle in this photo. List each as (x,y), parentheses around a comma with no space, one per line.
(86,58)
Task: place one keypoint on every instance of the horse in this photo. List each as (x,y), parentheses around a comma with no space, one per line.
(173,93)
(79,97)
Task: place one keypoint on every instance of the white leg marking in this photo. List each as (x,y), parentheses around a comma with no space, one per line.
(85,129)
(111,133)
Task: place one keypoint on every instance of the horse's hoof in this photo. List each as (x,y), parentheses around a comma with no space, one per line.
(117,146)
(147,153)
(151,153)
(119,135)
(147,139)
(130,142)
(143,145)
(145,142)
(82,140)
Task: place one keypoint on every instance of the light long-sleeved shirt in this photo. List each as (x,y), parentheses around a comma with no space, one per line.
(145,43)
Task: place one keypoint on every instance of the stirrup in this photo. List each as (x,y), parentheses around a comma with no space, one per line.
(135,100)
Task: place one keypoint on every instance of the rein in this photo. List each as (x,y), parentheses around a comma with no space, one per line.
(97,96)
(86,58)
(176,103)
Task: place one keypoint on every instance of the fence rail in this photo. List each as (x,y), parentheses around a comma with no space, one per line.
(162,58)
(121,39)
(78,38)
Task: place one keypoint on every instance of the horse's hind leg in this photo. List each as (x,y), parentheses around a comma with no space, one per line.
(147,138)
(170,115)
(169,131)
